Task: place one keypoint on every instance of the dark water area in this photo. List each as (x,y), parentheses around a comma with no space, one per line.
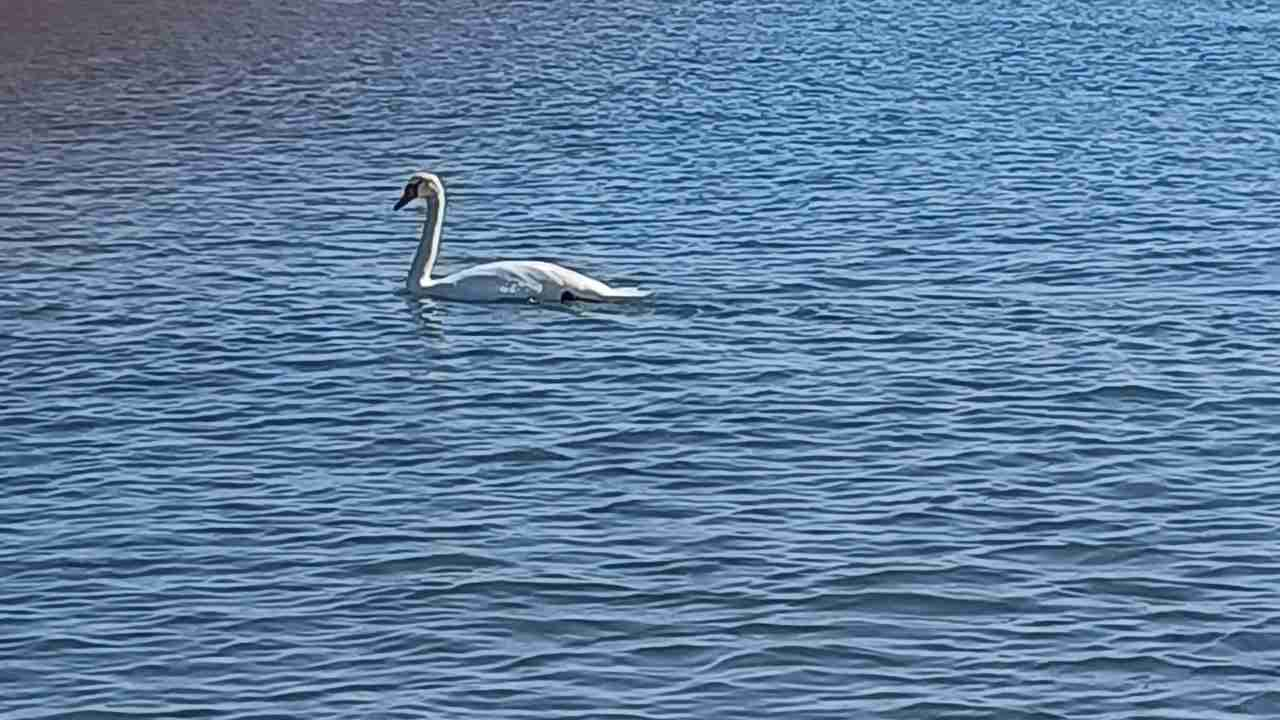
(959,396)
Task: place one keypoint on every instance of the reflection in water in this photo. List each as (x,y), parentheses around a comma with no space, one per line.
(427,314)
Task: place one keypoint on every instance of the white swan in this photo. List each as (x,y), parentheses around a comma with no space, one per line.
(503,280)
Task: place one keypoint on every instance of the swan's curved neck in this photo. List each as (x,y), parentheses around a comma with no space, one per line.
(429,246)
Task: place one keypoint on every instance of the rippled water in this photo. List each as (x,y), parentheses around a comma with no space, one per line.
(960,395)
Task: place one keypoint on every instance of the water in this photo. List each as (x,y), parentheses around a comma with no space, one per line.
(959,397)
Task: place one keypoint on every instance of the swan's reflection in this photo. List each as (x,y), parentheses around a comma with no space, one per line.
(427,314)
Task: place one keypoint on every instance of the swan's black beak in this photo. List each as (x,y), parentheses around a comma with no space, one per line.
(408,195)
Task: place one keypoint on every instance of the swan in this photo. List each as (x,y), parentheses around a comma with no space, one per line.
(530,280)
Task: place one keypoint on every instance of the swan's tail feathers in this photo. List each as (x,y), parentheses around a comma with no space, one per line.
(628,293)
(604,293)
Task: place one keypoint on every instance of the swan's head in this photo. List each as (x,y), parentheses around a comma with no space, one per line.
(422,185)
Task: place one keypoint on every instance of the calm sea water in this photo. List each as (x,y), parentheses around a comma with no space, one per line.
(959,398)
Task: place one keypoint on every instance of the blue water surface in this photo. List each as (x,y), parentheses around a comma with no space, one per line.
(959,396)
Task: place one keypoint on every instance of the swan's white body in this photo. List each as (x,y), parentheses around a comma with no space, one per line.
(521,280)
(528,280)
